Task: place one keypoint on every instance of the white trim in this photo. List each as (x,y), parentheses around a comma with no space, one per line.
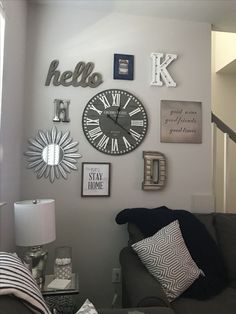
(214,152)
(2,11)
(226,137)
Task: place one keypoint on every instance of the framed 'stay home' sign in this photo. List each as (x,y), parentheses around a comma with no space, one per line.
(95,179)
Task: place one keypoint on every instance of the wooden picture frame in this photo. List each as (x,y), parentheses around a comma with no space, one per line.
(123,67)
(95,179)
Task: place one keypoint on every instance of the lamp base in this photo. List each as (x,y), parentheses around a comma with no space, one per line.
(36,258)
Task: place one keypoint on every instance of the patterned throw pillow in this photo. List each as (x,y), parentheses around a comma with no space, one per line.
(87,308)
(167,258)
(16,279)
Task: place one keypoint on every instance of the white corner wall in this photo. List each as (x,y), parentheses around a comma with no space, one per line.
(11,116)
(224,49)
(223,83)
(223,106)
(72,34)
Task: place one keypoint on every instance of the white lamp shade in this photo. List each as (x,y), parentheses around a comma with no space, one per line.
(35,223)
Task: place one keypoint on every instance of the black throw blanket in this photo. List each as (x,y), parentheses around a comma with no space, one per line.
(199,242)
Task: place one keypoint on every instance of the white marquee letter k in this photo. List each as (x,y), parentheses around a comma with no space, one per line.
(159,71)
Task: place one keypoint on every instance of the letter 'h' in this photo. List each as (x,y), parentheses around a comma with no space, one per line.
(61,108)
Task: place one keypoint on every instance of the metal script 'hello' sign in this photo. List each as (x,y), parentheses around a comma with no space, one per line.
(81,76)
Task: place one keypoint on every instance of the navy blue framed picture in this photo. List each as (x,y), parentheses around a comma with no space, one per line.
(123,67)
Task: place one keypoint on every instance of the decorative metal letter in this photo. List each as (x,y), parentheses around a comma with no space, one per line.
(159,71)
(61,107)
(81,76)
(154,171)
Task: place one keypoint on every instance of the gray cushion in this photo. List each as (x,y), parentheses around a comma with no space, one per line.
(226,234)
(208,221)
(139,287)
(223,303)
(233,284)
(135,234)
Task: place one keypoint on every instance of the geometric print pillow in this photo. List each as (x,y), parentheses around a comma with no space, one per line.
(87,308)
(167,258)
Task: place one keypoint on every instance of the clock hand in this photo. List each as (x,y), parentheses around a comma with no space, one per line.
(118,112)
(120,125)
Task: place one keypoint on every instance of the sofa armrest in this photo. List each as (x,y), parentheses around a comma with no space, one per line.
(12,305)
(139,287)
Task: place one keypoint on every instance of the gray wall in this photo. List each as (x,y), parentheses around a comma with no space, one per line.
(76,33)
(73,34)
(12,116)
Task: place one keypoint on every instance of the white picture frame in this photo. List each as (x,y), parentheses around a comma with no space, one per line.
(95,179)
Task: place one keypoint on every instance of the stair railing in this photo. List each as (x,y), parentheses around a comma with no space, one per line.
(228,134)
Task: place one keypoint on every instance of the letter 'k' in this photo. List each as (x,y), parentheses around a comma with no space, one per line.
(159,70)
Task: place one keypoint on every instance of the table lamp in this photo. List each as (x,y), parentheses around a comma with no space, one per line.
(34,227)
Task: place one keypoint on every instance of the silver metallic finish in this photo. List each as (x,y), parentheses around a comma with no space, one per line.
(36,259)
(61,110)
(52,154)
(155,170)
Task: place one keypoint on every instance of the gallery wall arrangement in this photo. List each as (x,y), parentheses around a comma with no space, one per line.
(115,122)
(76,37)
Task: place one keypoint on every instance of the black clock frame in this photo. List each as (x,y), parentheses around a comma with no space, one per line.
(115,122)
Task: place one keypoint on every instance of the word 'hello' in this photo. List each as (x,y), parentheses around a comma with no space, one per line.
(82,75)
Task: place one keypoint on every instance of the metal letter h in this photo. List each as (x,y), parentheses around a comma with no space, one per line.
(61,108)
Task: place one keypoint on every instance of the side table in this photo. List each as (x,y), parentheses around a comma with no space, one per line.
(60,301)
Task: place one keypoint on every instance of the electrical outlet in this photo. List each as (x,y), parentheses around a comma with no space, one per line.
(116,274)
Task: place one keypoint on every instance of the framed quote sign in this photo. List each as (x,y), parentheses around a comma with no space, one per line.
(95,179)
(181,121)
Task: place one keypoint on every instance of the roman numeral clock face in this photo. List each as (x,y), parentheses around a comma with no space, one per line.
(115,122)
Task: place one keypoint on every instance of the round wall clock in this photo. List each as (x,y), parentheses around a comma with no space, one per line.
(115,122)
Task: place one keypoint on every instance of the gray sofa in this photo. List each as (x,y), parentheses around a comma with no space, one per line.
(12,305)
(141,289)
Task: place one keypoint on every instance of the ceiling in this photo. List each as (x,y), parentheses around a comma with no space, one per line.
(221,14)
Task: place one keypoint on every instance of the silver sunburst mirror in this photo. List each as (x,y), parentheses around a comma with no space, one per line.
(52,154)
